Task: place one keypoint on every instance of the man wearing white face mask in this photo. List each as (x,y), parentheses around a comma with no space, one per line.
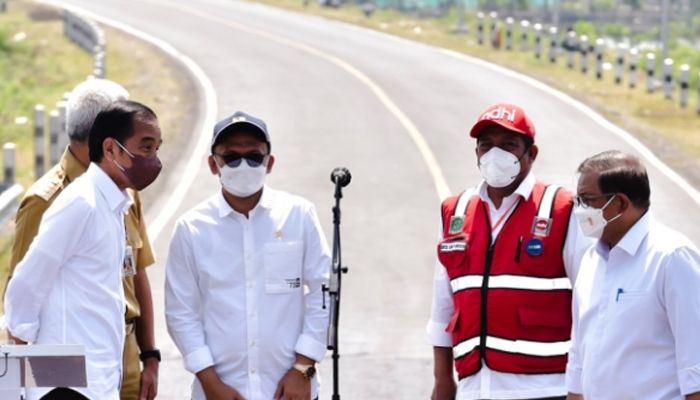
(507,257)
(244,278)
(636,299)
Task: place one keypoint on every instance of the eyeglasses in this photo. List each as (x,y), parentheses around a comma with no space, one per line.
(233,160)
(585,201)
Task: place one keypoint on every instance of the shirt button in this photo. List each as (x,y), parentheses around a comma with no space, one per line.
(252,344)
(250,285)
(252,371)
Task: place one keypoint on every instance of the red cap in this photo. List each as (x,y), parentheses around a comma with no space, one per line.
(506,115)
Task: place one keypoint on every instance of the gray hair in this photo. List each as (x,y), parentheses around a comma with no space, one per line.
(86,101)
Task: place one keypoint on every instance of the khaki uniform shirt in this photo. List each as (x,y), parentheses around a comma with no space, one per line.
(42,193)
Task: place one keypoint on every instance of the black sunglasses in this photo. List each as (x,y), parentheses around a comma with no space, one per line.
(233,160)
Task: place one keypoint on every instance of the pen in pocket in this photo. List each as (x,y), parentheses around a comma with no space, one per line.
(619,292)
(517,249)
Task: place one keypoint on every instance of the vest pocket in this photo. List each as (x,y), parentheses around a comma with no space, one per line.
(452,252)
(553,323)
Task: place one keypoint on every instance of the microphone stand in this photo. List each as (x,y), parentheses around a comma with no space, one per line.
(334,286)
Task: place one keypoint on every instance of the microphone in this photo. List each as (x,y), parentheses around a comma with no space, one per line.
(341,176)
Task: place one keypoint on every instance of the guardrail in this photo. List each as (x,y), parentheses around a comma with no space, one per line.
(91,38)
(86,34)
(675,82)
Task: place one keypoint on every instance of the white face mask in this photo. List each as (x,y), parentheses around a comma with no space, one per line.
(592,221)
(499,168)
(244,180)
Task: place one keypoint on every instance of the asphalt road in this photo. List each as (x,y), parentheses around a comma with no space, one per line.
(396,114)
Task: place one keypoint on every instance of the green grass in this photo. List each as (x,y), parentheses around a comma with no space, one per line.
(40,68)
(673,132)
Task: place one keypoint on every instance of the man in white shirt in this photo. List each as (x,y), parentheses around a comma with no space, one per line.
(636,304)
(507,258)
(68,287)
(244,277)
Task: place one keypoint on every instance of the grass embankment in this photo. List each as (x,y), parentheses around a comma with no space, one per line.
(671,131)
(44,64)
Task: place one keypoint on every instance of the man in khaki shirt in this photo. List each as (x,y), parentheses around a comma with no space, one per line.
(85,102)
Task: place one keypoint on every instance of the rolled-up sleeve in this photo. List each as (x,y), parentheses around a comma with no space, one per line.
(59,235)
(317,261)
(682,301)
(182,303)
(442,309)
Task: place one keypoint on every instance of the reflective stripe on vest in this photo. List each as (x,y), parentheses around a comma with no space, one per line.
(510,282)
(530,348)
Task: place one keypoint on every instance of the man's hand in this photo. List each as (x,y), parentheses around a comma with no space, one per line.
(214,389)
(444,390)
(149,379)
(293,386)
(14,340)
(574,396)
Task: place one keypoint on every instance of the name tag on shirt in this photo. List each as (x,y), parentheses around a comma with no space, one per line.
(129,268)
(452,246)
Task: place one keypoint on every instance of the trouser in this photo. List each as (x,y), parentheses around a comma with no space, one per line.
(63,394)
(131,368)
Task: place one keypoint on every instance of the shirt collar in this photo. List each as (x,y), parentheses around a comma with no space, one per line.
(71,166)
(633,238)
(117,200)
(225,209)
(524,189)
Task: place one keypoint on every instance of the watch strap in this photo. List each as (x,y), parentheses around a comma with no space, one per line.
(155,353)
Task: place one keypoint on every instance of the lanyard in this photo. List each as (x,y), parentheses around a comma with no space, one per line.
(503,217)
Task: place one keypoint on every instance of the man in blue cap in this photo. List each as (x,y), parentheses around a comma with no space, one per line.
(244,278)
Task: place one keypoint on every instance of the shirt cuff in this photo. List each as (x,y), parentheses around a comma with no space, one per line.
(689,379)
(573,380)
(26,332)
(437,336)
(198,360)
(310,347)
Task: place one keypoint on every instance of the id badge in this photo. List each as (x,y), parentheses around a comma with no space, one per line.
(129,269)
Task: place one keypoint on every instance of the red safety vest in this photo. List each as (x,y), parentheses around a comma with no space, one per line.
(512,298)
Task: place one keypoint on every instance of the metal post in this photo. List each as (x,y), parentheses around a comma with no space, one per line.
(599,45)
(509,33)
(571,44)
(480,28)
(620,63)
(583,46)
(651,65)
(664,28)
(9,159)
(553,44)
(684,83)
(62,135)
(493,26)
(668,78)
(524,33)
(634,60)
(461,26)
(538,41)
(54,131)
(39,145)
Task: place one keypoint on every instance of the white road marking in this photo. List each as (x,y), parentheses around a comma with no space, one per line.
(176,196)
(439,180)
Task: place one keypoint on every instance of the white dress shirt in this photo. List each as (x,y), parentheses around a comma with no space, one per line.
(636,317)
(487,383)
(244,294)
(68,288)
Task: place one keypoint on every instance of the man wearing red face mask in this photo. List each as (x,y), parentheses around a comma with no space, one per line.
(68,287)
(507,257)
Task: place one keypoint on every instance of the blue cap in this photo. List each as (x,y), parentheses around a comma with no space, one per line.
(241,120)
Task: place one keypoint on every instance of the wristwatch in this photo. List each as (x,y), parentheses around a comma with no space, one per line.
(155,353)
(308,371)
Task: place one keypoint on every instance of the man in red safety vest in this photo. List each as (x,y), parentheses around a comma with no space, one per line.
(507,258)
